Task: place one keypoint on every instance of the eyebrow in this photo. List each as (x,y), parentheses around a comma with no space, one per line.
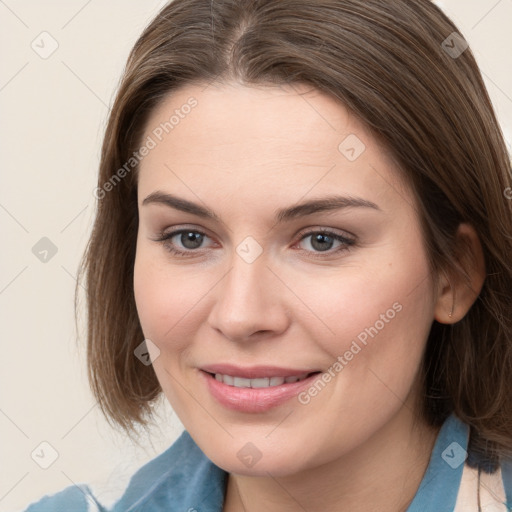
(329,203)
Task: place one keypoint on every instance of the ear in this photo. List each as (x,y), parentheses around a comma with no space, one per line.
(458,291)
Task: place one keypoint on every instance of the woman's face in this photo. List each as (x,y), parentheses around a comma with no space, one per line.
(300,251)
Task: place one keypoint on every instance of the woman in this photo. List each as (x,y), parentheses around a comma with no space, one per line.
(303,224)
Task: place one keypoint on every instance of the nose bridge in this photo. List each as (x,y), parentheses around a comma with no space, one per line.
(247,302)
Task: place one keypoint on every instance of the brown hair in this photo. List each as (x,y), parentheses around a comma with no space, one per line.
(387,63)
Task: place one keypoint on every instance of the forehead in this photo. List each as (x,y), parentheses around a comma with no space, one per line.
(255,140)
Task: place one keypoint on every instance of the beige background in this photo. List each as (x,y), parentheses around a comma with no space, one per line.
(53,113)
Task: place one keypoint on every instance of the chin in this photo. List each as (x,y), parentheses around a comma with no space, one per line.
(249,461)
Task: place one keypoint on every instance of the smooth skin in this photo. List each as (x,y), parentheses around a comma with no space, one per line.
(244,153)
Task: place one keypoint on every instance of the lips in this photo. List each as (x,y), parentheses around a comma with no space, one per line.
(241,395)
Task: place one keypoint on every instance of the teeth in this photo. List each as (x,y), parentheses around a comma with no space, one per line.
(261,382)
(240,382)
(276,381)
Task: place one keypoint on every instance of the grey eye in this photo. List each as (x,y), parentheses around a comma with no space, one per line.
(190,239)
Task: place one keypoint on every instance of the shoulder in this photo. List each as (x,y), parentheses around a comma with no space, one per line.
(74,498)
(486,491)
(452,481)
(484,485)
(181,478)
(506,472)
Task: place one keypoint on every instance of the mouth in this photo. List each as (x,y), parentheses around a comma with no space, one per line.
(256,389)
(259,382)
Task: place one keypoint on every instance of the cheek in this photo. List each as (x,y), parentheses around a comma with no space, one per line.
(355,302)
(169,298)
(160,299)
(377,317)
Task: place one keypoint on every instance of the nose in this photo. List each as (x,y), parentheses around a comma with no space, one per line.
(249,302)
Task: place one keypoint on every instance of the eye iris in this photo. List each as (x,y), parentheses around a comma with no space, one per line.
(322,239)
(189,237)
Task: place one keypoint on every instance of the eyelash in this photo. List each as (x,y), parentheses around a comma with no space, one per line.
(347,243)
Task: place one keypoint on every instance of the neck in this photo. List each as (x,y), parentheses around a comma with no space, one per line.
(384,474)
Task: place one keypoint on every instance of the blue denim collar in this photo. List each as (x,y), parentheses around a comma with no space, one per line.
(440,485)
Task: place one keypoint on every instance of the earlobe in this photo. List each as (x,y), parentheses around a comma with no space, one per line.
(458,291)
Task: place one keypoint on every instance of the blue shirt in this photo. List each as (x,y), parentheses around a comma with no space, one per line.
(183,479)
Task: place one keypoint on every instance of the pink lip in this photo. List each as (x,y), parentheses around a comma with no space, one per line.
(253,372)
(254,400)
